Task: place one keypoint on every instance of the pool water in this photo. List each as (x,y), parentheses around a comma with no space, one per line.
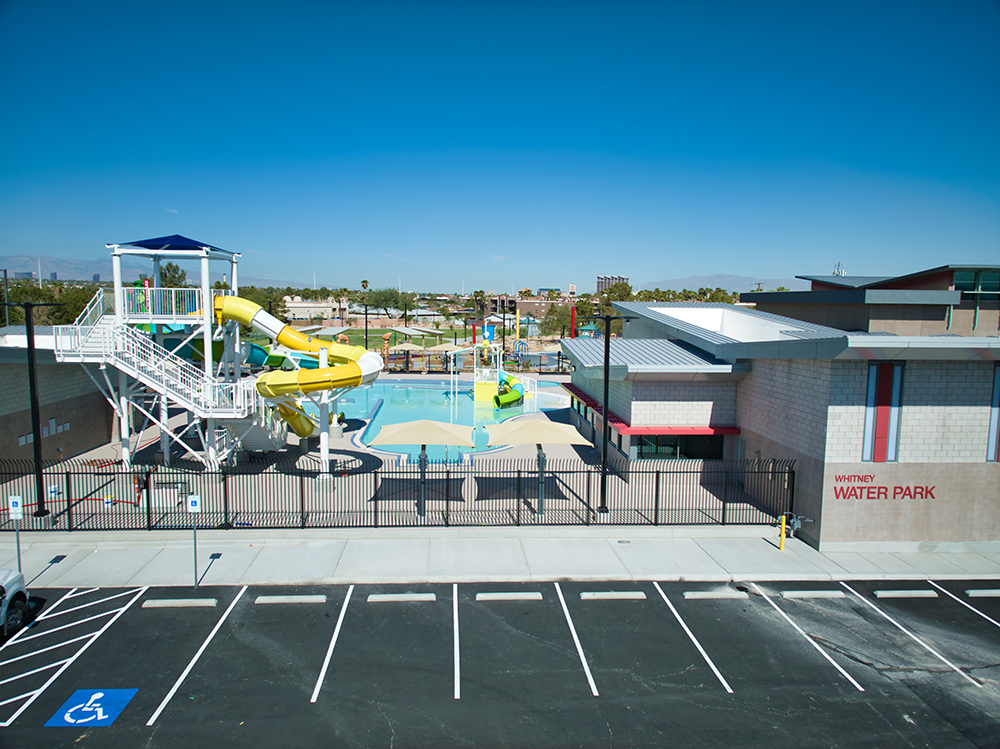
(396,401)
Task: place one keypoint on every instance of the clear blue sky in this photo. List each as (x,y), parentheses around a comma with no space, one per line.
(507,143)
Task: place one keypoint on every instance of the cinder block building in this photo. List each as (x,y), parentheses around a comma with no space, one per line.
(895,437)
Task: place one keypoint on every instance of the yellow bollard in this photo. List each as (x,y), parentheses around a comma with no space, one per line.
(781,544)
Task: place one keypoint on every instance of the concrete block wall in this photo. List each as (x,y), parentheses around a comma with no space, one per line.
(945,413)
(786,401)
(845,434)
(65,394)
(619,393)
(683,403)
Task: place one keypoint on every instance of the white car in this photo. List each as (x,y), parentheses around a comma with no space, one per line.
(13,601)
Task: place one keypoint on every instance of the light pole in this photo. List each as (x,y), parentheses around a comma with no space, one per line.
(364,287)
(36,421)
(603,507)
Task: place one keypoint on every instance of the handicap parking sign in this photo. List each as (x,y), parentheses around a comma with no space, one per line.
(92,707)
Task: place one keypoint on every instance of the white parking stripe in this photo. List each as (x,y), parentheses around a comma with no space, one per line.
(809,639)
(20,634)
(527,596)
(33,653)
(912,636)
(48,632)
(971,608)
(38,670)
(454,608)
(333,642)
(576,641)
(180,679)
(906,594)
(693,639)
(82,592)
(50,615)
(613,595)
(70,661)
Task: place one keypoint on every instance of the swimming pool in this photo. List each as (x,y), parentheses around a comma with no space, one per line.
(390,401)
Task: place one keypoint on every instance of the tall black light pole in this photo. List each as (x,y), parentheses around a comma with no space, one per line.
(606,437)
(36,420)
(364,287)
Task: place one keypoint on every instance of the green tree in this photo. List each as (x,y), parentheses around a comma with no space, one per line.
(172,277)
(556,319)
(383,299)
(479,299)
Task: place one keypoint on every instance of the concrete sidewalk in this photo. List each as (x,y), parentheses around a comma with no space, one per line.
(418,555)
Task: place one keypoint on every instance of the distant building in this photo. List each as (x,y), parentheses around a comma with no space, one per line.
(572,289)
(604,282)
(949,300)
(97,278)
(52,277)
(26,276)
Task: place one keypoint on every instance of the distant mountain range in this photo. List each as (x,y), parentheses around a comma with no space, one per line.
(727,283)
(84,270)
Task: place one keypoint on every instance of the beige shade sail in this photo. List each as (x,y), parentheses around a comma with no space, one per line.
(553,349)
(534,432)
(406,346)
(425,432)
(445,347)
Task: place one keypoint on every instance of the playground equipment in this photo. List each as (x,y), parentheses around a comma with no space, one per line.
(511,391)
(180,347)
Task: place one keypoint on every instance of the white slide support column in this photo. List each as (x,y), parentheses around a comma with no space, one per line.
(124,428)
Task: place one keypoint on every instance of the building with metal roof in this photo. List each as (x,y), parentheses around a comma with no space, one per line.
(959,299)
(895,437)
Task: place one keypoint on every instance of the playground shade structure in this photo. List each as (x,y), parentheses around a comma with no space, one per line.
(511,391)
(352,365)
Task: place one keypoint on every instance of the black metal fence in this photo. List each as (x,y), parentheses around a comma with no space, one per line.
(494,493)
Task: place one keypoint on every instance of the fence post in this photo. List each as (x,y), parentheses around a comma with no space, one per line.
(725,493)
(790,499)
(518,496)
(375,497)
(586,473)
(447,495)
(149,501)
(69,501)
(302,499)
(656,499)
(225,500)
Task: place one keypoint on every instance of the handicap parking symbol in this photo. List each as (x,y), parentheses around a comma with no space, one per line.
(92,707)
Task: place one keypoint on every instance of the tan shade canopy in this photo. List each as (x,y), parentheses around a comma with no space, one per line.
(534,431)
(445,347)
(553,349)
(406,346)
(424,432)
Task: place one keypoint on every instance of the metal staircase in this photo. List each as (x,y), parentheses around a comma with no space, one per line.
(97,338)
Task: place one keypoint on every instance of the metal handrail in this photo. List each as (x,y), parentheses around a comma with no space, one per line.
(95,309)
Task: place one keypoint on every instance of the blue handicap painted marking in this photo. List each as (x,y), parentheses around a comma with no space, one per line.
(92,707)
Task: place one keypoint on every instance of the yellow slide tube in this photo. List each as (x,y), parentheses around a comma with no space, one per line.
(354,364)
(246,312)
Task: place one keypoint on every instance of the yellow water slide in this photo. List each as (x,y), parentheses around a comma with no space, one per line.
(354,365)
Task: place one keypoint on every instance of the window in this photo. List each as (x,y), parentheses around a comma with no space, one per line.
(881,443)
(674,447)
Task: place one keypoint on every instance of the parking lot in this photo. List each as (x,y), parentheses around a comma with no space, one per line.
(886,663)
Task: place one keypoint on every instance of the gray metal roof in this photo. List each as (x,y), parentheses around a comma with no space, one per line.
(589,352)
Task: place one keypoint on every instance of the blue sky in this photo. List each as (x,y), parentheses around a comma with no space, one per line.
(499,145)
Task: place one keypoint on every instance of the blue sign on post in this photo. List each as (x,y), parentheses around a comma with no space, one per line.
(92,707)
